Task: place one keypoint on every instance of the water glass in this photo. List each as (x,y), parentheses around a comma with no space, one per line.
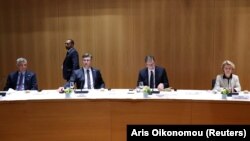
(72,85)
(141,84)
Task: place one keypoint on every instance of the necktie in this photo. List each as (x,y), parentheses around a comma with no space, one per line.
(151,79)
(88,79)
(20,82)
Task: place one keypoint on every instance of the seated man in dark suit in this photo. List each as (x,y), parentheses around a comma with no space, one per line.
(21,79)
(153,76)
(86,77)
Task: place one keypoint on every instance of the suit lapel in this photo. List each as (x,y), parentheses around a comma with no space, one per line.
(156,75)
(93,75)
(15,79)
(70,51)
(26,79)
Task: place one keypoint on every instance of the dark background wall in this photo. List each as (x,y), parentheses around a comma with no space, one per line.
(190,38)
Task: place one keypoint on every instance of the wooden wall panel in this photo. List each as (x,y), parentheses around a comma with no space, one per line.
(111,29)
(73,23)
(193,43)
(152,34)
(30,30)
(190,38)
(232,35)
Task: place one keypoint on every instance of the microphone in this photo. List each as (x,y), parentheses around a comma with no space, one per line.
(81,89)
(3,93)
(82,84)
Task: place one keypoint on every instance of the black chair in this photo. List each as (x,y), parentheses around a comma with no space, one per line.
(213,83)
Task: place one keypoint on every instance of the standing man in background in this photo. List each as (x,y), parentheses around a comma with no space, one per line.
(71,61)
(22,79)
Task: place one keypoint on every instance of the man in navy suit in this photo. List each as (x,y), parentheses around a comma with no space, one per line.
(152,75)
(71,61)
(21,79)
(86,77)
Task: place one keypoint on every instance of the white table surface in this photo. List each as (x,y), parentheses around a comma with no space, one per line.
(122,94)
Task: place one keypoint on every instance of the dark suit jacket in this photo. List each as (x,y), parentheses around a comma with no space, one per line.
(70,63)
(29,84)
(78,77)
(160,77)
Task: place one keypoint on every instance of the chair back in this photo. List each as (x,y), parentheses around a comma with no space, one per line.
(213,83)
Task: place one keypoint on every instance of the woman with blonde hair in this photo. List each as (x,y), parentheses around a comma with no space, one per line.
(227,80)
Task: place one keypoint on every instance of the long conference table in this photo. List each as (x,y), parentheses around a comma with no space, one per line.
(103,115)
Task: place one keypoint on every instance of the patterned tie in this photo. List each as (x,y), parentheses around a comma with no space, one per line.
(151,79)
(88,79)
(20,82)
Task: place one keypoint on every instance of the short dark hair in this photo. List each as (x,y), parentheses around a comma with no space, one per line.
(87,55)
(149,58)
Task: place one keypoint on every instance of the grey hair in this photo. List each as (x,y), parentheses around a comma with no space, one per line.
(21,60)
(227,62)
(149,58)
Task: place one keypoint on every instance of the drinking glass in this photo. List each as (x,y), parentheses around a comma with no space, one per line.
(141,84)
(71,85)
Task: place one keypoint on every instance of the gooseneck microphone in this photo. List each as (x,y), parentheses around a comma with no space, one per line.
(82,82)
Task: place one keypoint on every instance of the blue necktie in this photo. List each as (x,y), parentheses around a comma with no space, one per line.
(20,82)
